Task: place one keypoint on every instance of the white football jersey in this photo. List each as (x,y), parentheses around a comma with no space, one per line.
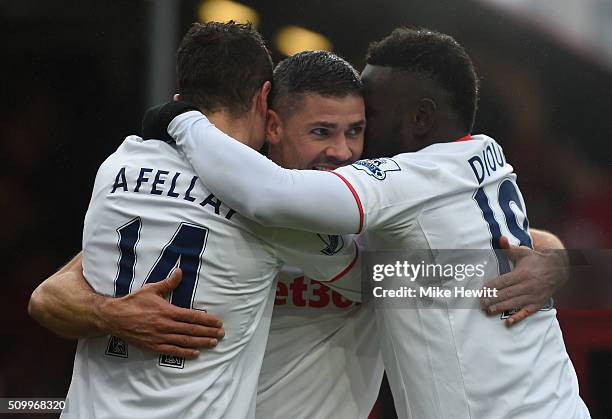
(148,214)
(322,358)
(442,361)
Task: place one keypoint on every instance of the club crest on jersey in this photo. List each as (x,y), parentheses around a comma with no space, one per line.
(333,244)
(116,347)
(171,361)
(377,168)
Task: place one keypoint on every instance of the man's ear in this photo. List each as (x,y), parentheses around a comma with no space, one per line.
(274,127)
(262,97)
(424,117)
(177,97)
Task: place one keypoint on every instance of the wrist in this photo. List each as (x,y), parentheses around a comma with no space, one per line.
(102,308)
(559,254)
(560,260)
(173,109)
(156,119)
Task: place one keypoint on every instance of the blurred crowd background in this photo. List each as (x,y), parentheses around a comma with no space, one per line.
(78,74)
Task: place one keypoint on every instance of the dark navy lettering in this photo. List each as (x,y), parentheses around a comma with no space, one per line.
(123,183)
(173,185)
(141,179)
(158,181)
(482,165)
(213,201)
(188,197)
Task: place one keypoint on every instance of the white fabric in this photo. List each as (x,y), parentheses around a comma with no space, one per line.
(447,362)
(234,276)
(322,358)
(443,363)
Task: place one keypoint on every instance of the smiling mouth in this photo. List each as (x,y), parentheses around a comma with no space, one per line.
(324,167)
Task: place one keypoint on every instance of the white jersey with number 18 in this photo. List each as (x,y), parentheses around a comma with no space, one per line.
(442,359)
(148,214)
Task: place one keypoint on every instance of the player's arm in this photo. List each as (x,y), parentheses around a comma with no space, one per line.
(333,259)
(259,189)
(537,274)
(66,304)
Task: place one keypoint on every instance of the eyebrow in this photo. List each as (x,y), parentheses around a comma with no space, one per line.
(324,124)
(332,125)
(359,123)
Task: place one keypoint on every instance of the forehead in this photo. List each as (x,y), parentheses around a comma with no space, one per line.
(313,106)
(376,75)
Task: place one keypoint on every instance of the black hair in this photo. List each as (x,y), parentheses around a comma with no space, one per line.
(437,57)
(319,72)
(221,66)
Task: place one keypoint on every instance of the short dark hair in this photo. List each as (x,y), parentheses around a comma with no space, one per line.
(435,56)
(319,72)
(221,66)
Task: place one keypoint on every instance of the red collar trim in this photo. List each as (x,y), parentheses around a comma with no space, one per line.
(466,138)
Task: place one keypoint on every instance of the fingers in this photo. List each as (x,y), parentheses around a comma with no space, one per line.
(167,285)
(194,330)
(179,341)
(516,253)
(504,243)
(505,281)
(521,314)
(190,342)
(186,346)
(196,317)
(507,305)
(176,351)
(506,294)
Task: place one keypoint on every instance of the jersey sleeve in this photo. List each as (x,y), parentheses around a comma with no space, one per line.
(333,259)
(259,189)
(391,191)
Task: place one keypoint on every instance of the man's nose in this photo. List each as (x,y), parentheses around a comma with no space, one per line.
(340,149)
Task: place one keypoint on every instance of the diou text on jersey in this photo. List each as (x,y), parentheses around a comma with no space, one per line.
(484,164)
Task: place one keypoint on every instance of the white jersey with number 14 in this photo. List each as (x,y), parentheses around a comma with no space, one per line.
(148,214)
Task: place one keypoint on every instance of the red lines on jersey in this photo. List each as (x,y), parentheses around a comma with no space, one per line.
(466,138)
(354,192)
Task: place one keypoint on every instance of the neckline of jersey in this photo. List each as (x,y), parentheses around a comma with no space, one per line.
(466,138)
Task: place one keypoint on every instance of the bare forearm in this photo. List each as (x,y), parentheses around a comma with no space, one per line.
(67,305)
(544,241)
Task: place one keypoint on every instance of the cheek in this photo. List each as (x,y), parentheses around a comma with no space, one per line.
(312,152)
(306,153)
(357,149)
